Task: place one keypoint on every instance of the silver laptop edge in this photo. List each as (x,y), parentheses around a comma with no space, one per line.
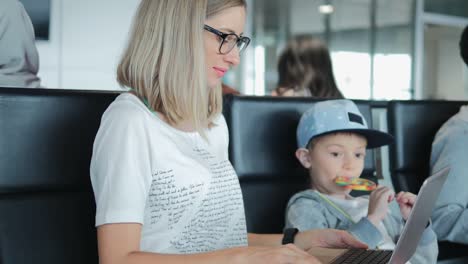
(419,217)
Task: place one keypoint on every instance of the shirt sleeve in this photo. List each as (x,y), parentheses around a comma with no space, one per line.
(428,249)
(120,167)
(305,214)
(450,215)
(366,232)
(221,121)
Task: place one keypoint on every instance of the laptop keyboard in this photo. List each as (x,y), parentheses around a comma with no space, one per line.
(353,256)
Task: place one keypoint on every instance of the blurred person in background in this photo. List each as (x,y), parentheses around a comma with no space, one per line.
(450,148)
(305,69)
(19,59)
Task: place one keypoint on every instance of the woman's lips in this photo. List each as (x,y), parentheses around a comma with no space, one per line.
(219,71)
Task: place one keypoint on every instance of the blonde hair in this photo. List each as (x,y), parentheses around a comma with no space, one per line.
(164,61)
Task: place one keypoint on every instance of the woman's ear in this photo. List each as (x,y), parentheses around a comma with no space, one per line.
(303,155)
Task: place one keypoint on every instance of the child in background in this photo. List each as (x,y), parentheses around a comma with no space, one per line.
(305,69)
(332,140)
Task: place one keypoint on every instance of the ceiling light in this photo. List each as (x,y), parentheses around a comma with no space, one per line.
(326,9)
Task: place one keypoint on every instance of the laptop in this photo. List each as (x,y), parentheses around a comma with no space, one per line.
(412,232)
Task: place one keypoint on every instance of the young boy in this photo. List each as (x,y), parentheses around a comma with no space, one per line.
(332,140)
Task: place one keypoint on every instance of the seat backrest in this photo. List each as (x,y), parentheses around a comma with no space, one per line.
(46,202)
(262,145)
(414,125)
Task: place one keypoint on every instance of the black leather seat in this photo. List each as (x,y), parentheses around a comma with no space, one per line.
(262,146)
(414,125)
(47,206)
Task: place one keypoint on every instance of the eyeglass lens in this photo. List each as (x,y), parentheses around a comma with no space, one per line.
(230,42)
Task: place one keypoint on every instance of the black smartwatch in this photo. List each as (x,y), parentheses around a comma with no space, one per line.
(288,235)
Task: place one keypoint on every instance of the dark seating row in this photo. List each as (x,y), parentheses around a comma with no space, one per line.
(414,125)
(46,201)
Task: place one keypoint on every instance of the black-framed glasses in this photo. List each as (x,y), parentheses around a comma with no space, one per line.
(229,40)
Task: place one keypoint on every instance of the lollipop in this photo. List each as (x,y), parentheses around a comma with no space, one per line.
(356,184)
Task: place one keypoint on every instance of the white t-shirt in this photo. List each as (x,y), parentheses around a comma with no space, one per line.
(181,188)
(357,208)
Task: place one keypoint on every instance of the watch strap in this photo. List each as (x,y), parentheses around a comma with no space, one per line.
(288,235)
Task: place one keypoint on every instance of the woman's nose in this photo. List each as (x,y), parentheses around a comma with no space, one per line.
(233,57)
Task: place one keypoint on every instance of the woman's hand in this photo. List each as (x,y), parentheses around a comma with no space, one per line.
(406,201)
(378,204)
(284,254)
(327,238)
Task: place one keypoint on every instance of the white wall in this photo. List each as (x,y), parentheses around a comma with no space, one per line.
(450,70)
(86,40)
(444,70)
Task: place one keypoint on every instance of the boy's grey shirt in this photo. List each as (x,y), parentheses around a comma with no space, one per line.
(306,210)
(450,147)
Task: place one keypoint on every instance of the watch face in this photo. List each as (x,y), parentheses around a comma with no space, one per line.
(289,234)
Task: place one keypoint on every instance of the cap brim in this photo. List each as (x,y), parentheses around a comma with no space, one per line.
(375,138)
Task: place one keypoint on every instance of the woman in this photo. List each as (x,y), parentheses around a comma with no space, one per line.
(305,69)
(164,188)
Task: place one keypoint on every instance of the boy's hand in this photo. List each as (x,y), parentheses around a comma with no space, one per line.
(406,201)
(378,204)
